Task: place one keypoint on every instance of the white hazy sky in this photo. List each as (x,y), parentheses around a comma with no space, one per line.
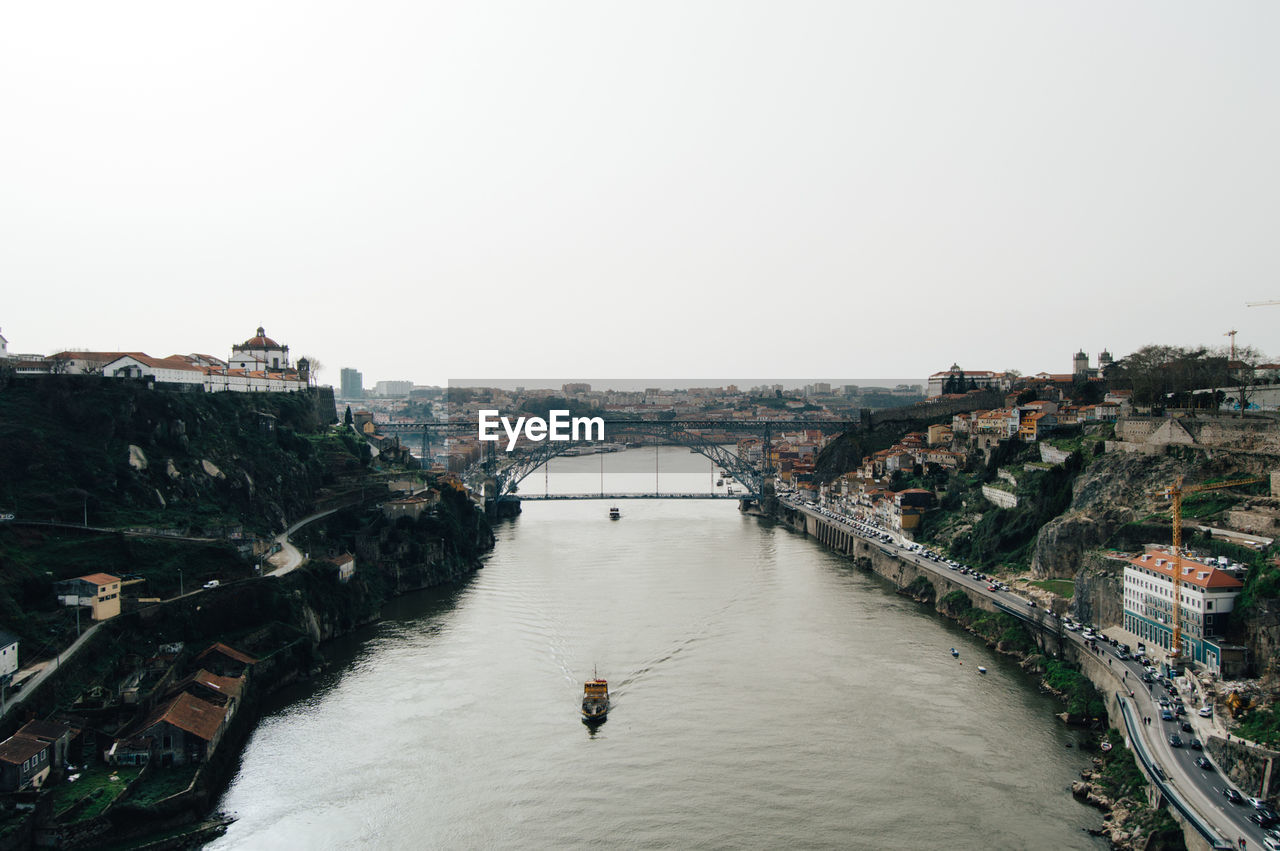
(424,190)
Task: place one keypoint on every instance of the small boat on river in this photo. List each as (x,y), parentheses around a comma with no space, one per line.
(614,513)
(595,701)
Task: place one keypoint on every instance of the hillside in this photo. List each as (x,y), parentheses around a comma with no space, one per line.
(226,468)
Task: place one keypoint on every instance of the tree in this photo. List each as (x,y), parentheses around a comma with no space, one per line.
(1241,373)
(347,419)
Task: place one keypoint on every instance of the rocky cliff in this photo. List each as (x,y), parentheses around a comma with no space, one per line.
(1119,488)
(122,454)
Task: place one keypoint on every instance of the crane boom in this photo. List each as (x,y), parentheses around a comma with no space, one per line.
(1175,492)
(1266,303)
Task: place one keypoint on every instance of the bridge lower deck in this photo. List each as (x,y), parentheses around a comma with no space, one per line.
(614,496)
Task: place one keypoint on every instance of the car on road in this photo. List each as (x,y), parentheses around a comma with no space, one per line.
(1195,745)
(1271,843)
(1166,715)
(1203,762)
(1206,712)
(1262,820)
(1186,728)
(1232,795)
(1175,740)
(212,583)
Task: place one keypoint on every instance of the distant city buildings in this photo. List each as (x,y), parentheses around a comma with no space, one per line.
(393,389)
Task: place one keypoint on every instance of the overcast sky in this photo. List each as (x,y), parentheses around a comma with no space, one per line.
(429,190)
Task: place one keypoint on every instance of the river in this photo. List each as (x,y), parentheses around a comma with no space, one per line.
(766,694)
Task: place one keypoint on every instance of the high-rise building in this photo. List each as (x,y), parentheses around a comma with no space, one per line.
(352,384)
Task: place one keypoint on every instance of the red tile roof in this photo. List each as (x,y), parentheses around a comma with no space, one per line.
(46,731)
(229,652)
(222,685)
(99,578)
(1191,570)
(188,712)
(18,749)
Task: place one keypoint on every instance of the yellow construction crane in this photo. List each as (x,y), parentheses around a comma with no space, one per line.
(1175,492)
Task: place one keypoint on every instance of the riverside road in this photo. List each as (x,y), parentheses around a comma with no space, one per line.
(1197,790)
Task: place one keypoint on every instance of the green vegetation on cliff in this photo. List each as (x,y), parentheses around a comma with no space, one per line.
(1083,700)
(978,533)
(1261,725)
(198,460)
(1120,778)
(1000,628)
(221,467)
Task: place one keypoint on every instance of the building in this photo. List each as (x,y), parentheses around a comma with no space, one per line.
(170,370)
(351,384)
(957,380)
(99,591)
(1208,597)
(4,347)
(53,733)
(184,730)
(225,661)
(393,389)
(24,763)
(259,352)
(8,655)
(346,564)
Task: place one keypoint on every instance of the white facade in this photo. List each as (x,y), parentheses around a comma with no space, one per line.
(8,654)
(168,370)
(1207,597)
(259,352)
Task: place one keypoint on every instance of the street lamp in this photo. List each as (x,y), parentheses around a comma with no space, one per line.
(180,592)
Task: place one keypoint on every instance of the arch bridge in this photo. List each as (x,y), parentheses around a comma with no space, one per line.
(505,470)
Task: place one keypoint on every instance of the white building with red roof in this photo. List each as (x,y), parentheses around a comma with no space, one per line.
(260,353)
(1208,596)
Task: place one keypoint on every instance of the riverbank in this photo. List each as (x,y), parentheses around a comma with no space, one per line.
(1130,823)
(282,622)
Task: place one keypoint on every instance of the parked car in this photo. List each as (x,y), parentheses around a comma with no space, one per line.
(1206,712)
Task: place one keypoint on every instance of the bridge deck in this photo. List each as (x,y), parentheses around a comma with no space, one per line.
(613,496)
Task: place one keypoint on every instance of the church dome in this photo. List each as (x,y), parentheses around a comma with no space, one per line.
(260,341)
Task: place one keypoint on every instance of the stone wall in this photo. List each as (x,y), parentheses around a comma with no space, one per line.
(1099,595)
(1052,455)
(1250,768)
(1002,498)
